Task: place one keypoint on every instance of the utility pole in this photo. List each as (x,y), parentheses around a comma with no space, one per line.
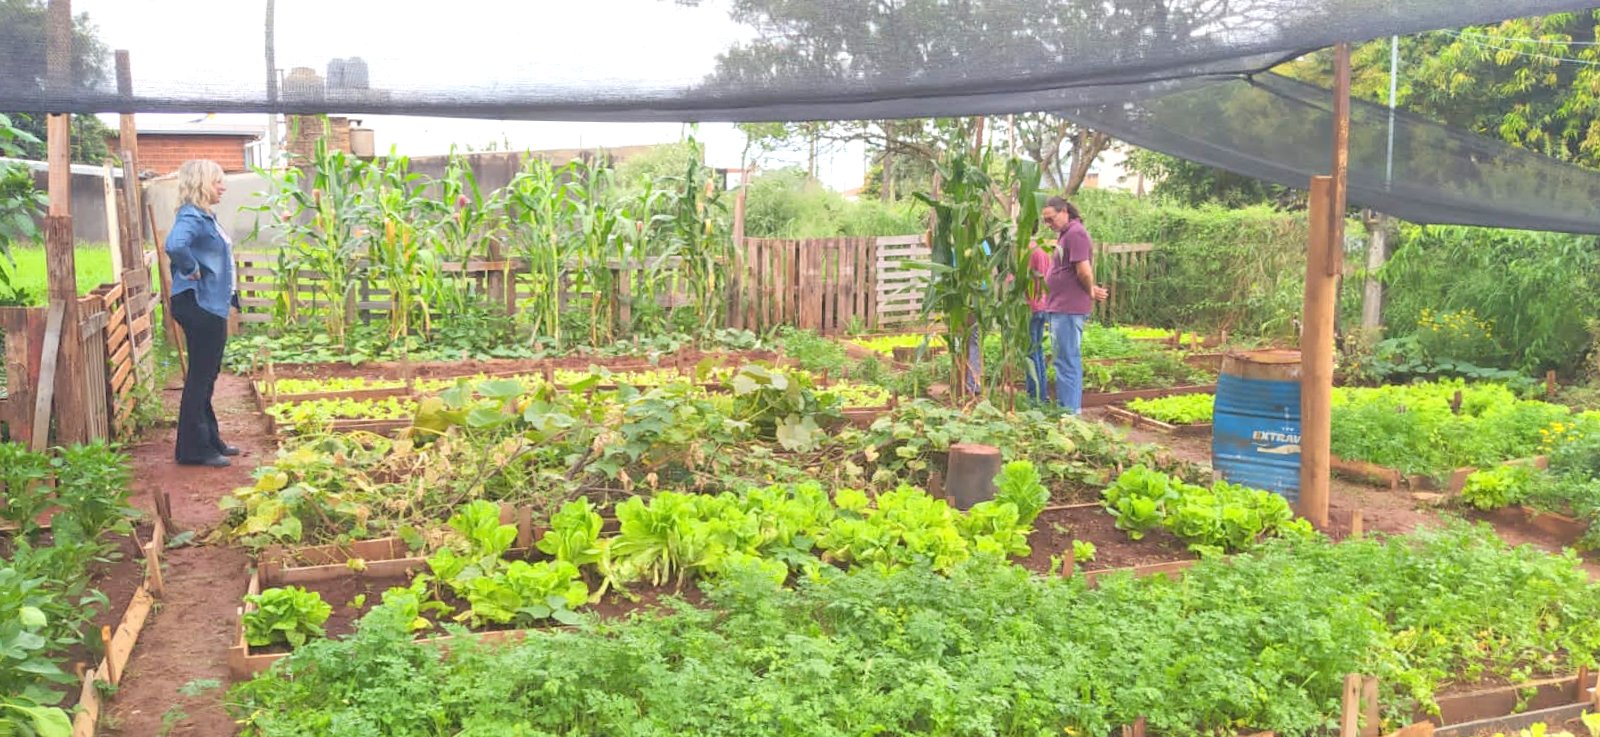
(1378,224)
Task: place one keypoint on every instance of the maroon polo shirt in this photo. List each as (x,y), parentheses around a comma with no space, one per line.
(1066,293)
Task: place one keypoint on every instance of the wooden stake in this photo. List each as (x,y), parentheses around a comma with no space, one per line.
(111,669)
(47,373)
(154,579)
(1370,720)
(1550,384)
(113,226)
(1355,525)
(1580,688)
(1350,708)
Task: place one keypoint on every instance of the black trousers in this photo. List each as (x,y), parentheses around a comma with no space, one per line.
(205,335)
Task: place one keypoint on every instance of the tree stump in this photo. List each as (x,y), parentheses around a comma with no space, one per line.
(969,478)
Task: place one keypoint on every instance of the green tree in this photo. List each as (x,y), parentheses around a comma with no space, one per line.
(89,137)
(20,201)
(23,69)
(1532,82)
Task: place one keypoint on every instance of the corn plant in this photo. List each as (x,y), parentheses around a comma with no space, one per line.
(540,211)
(601,248)
(981,237)
(467,224)
(321,225)
(689,222)
(398,253)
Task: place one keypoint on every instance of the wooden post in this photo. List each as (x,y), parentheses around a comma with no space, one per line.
(1341,156)
(1356,524)
(1316,368)
(1550,384)
(48,356)
(1324,259)
(164,272)
(1370,718)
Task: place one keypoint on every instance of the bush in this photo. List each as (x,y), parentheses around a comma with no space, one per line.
(1214,268)
(1535,290)
(785,203)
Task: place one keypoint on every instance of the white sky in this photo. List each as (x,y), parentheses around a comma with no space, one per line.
(196,43)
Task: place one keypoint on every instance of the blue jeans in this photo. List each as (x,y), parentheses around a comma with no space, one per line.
(974,361)
(1036,370)
(1066,331)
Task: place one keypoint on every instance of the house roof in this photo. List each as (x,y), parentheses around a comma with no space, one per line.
(232,131)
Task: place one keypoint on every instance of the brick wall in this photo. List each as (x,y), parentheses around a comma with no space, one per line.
(304,130)
(163,153)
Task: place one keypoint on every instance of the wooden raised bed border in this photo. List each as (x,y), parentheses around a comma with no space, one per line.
(1394,478)
(1134,419)
(120,642)
(383,557)
(1101,399)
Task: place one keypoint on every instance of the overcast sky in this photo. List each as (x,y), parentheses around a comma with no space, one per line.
(197,43)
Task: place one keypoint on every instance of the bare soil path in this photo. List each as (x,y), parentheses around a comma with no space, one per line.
(193,626)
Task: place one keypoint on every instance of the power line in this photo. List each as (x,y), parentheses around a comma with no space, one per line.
(1518,52)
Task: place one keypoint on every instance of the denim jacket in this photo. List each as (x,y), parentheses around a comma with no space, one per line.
(196,244)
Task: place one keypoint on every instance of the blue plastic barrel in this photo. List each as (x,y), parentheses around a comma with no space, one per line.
(1255,434)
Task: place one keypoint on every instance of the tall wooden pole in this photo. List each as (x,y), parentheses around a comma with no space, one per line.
(1324,260)
(128,145)
(70,389)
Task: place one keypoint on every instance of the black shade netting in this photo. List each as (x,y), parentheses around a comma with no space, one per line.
(675,60)
(1280,130)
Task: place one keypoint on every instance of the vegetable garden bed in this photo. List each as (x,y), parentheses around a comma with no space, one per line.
(1100,399)
(1134,419)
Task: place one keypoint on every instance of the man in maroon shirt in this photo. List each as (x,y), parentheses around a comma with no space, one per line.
(1072,294)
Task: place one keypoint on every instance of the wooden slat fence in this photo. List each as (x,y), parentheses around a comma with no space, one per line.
(261,290)
(1125,270)
(822,284)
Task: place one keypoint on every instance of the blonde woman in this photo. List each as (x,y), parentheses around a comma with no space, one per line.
(202,292)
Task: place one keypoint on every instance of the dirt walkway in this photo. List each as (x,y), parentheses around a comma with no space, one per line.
(193,626)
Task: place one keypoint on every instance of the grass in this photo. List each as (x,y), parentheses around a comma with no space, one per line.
(28,273)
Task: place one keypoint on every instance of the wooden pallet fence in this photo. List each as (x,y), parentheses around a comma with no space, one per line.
(901,288)
(821,284)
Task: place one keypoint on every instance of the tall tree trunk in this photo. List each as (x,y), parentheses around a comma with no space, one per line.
(1378,228)
(1086,147)
(886,184)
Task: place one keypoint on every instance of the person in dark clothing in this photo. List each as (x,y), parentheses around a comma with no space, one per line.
(203,289)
